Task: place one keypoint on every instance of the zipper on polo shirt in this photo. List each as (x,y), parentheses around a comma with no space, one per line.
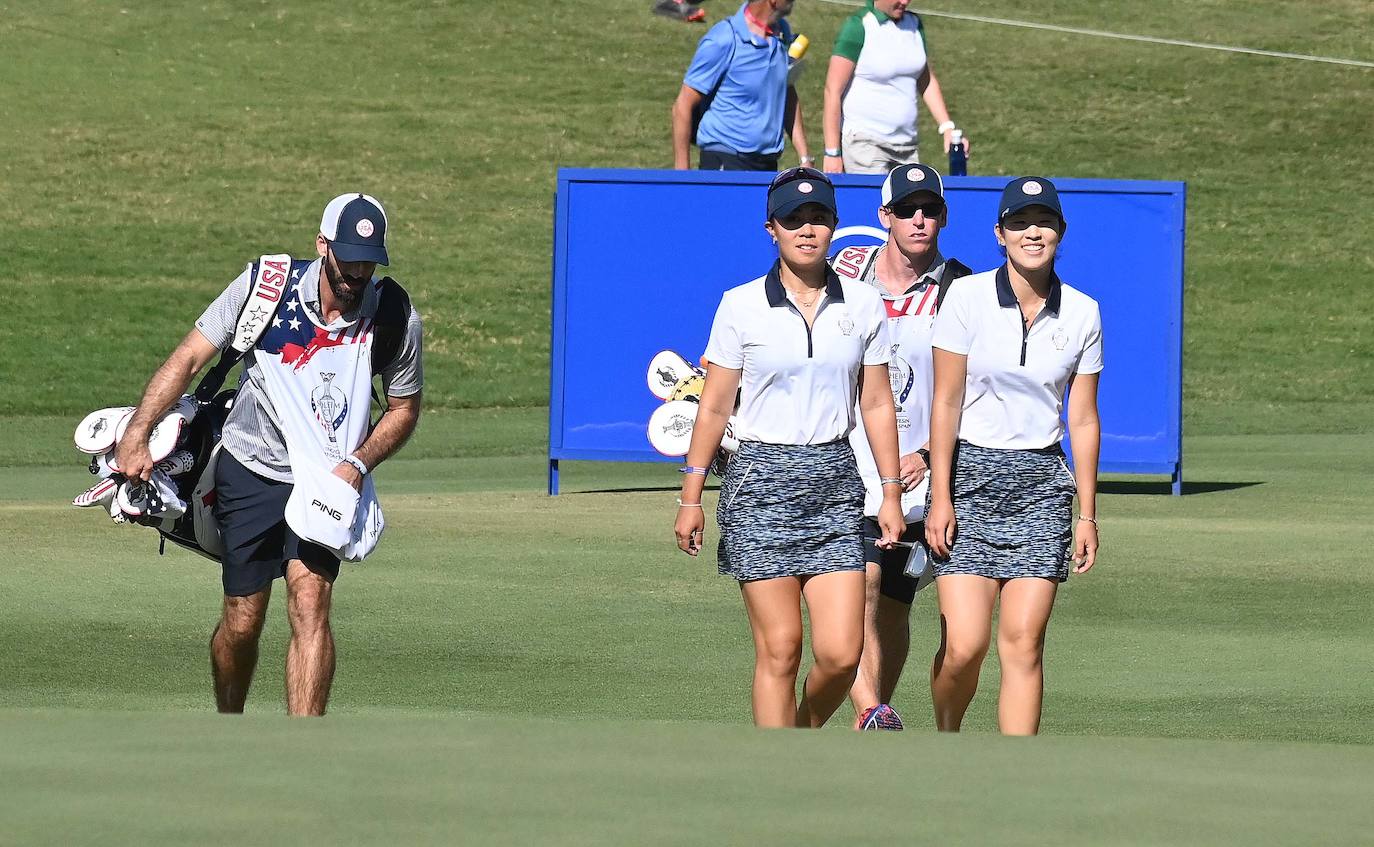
(811,350)
(1025,332)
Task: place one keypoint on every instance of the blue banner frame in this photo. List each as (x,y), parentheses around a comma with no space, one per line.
(641,258)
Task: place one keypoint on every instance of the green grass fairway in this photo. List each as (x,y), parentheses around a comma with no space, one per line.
(463,779)
(1232,612)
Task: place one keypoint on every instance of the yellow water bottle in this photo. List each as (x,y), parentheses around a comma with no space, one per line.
(795,54)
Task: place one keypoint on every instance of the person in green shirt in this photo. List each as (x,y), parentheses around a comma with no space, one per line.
(879,68)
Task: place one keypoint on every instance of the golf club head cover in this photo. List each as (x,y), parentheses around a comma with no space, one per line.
(166,433)
(99,494)
(97,431)
(666,370)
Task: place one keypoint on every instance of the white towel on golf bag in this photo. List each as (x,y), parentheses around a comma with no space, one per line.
(320,384)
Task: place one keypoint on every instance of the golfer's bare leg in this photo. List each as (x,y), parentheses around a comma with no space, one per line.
(966,604)
(310,656)
(835,604)
(866,691)
(234,648)
(1021,624)
(774,607)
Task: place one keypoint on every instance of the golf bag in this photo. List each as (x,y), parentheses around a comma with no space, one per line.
(196,530)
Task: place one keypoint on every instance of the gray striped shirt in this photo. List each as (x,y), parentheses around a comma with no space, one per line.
(252,432)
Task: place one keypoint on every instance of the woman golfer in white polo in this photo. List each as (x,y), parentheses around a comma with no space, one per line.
(1000,527)
(799,346)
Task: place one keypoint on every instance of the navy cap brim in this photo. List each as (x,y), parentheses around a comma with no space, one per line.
(1026,203)
(359,252)
(787,207)
(935,195)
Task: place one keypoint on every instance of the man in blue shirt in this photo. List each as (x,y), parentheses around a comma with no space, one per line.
(737,88)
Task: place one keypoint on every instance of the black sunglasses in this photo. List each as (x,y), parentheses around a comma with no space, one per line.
(795,174)
(933,209)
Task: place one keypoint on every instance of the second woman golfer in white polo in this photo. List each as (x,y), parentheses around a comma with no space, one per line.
(1000,526)
(800,346)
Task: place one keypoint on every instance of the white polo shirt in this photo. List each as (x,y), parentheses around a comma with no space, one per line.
(1014,392)
(798,385)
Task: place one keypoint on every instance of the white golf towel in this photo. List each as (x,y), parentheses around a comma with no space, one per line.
(326,510)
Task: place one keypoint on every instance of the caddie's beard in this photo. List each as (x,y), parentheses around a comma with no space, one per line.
(346,289)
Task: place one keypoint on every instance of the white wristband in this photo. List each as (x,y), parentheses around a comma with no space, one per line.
(945,127)
(357,463)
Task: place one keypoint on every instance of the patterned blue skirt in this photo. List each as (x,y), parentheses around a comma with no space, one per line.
(1014,514)
(790,510)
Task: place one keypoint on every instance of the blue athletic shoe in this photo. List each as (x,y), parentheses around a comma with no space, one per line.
(881,716)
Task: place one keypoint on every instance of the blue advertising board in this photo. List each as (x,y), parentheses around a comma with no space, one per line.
(641,259)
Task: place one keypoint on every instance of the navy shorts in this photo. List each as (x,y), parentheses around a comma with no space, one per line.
(719,160)
(251,512)
(895,583)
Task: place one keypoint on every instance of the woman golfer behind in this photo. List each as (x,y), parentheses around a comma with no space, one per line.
(1007,343)
(799,346)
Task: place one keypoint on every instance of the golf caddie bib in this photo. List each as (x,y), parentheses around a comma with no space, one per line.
(319,379)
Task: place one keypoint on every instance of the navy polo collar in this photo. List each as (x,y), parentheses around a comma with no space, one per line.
(777,294)
(1006,298)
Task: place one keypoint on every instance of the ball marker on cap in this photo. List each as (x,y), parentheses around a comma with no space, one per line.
(1031,188)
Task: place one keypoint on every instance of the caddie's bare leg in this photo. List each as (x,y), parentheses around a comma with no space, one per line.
(234,648)
(310,657)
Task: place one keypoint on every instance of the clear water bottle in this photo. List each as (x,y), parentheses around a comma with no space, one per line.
(958,162)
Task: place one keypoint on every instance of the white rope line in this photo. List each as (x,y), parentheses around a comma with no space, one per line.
(1125,36)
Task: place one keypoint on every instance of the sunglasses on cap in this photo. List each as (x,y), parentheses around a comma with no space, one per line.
(795,174)
(932,209)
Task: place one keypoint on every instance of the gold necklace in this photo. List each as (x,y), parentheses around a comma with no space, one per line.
(806,304)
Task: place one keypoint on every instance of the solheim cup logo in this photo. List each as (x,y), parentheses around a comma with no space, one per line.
(902,377)
(330,407)
(679,425)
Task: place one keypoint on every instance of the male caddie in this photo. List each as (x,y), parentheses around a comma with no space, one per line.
(912,277)
(293,495)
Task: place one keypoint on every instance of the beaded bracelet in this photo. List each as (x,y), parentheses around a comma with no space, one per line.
(1092,521)
(692,469)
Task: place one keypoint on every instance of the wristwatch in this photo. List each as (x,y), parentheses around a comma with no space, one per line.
(924,454)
